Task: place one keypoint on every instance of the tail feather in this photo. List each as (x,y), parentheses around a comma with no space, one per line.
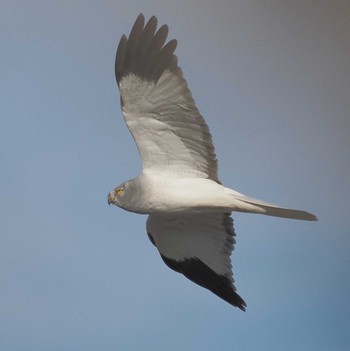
(247,204)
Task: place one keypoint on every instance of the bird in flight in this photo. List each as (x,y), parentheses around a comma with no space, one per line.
(189,210)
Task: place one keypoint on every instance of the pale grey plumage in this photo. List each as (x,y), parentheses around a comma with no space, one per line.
(158,107)
(189,210)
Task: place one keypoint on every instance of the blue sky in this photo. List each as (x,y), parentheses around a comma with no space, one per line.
(271,79)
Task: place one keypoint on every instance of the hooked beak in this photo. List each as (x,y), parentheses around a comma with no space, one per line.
(109,199)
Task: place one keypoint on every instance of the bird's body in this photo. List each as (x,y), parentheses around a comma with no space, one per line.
(167,192)
(159,194)
(189,209)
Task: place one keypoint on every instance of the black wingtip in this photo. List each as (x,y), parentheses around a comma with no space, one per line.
(144,53)
(199,273)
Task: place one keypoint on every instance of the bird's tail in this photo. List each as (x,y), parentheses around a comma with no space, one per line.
(243,203)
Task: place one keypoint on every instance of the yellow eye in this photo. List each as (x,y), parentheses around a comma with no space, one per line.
(120,191)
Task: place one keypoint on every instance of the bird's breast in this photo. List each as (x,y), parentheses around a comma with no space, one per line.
(187,194)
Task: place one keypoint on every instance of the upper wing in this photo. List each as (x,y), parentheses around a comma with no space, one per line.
(199,246)
(158,107)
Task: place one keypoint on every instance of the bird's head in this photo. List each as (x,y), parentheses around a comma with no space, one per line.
(128,196)
(115,197)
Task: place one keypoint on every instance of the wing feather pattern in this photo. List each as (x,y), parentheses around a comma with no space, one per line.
(158,107)
(198,246)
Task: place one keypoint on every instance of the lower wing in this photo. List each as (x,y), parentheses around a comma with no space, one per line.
(199,246)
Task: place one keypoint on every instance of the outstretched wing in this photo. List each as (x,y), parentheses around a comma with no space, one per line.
(199,246)
(158,107)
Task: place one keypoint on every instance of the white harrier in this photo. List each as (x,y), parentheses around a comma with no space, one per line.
(189,209)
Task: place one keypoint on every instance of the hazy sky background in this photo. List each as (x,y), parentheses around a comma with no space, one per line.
(272,80)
